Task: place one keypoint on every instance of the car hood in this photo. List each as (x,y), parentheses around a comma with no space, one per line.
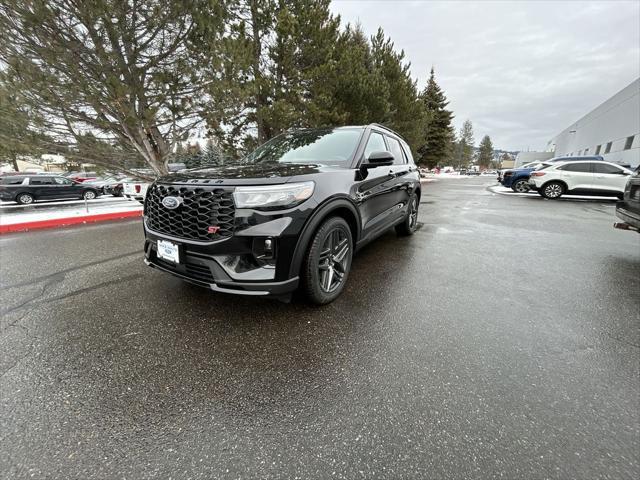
(247,174)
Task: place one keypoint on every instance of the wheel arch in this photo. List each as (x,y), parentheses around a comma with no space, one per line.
(340,207)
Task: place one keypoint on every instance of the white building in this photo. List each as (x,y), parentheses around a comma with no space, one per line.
(611,130)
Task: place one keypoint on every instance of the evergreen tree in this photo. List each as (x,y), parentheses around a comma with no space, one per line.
(466,144)
(485,153)
(436,146)
(122,68)
(212,155)
(18,124)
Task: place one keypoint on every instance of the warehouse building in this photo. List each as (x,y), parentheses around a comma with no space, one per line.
(612,130)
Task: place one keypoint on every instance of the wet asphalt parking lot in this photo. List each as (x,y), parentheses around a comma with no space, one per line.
(500,341)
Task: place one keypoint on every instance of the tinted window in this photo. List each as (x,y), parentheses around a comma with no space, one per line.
(40,181)
(62,181)
(325,146)
(576,167)
(407,152)
(396,149)
(605,168)
(11,180)
(375,144)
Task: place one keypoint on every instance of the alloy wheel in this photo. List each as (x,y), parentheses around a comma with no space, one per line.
(25,199)
(89,195)
(553,191)
(521,187)
(333,260)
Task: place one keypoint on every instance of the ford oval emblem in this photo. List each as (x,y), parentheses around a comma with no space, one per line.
(171,202)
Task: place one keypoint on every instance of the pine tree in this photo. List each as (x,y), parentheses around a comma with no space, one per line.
(436,145)
(466,144)
(125,69)
(485,153)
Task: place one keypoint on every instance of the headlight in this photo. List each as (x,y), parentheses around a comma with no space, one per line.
(272,196)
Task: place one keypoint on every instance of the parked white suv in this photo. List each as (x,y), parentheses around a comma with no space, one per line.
(134,190)
(552,180)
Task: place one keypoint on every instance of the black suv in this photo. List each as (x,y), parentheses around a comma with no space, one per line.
(25,189)
(290,214)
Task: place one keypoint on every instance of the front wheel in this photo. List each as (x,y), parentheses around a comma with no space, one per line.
(89,195)
(552,190)
(521,186)
(328,261)
(410,222)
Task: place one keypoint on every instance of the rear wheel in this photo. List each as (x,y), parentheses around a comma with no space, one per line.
(25,199)
(410,222)
(552,190)
(89,195)
(521,186)
(328,261)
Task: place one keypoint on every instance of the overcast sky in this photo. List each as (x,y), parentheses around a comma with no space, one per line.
(520,71)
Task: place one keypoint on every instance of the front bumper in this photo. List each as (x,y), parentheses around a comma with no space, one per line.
(237,288)
(241,263)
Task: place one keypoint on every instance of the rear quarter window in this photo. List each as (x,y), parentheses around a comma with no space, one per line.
(11,180)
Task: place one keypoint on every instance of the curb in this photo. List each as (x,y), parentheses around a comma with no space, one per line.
(60,222)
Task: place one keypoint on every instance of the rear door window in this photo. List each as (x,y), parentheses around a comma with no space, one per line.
(396,150)
(41,181)
(576,167)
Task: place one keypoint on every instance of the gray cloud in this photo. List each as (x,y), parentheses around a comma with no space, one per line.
(521,71)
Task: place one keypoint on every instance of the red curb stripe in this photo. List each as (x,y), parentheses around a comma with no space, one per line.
(59,222)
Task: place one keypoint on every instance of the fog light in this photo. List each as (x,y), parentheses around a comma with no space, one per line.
(268,248)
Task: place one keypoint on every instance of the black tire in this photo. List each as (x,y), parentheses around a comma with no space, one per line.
(521,186)
(89,195)
(552,190)
(327,263)
(25,198)
(410,223)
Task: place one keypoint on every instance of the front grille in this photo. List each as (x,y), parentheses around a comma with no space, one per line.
(201,208)
(634,194)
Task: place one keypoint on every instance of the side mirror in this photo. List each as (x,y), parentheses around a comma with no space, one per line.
(379,159)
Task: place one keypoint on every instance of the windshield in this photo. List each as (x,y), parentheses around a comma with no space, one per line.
(318,146)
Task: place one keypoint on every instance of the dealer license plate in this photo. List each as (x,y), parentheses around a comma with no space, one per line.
(168,251)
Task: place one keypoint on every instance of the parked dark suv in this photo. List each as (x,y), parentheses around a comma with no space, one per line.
(291,214)
(25,189)
(628,209)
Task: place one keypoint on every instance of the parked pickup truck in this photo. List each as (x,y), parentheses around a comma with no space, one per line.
(628,209)
(135,190)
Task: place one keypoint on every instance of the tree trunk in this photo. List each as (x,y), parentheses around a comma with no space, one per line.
(260,97)
(14,162)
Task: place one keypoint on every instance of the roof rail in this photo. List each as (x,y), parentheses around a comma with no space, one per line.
(379,125)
